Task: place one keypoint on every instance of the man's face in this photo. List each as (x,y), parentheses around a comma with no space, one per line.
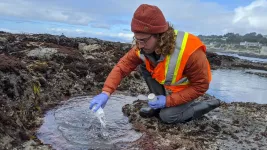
(147,42)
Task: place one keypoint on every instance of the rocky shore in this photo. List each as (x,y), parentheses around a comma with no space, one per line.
(38,71)
(230,126)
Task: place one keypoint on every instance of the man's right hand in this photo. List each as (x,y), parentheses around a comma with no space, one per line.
(100,101)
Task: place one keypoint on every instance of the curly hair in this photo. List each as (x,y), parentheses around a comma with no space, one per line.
(165,42)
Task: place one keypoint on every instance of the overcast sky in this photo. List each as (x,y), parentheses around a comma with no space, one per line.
(110,19)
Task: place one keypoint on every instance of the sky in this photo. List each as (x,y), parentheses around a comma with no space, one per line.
(111,19)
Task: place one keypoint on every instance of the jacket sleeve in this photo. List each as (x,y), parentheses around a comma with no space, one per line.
(196,71)
(123,68)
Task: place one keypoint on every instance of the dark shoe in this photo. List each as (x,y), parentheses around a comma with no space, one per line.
(213,103)
(148,112)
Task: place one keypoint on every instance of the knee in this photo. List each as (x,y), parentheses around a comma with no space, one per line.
(166,116)
(171,115)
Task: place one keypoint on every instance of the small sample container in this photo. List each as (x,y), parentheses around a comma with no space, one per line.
(152,97)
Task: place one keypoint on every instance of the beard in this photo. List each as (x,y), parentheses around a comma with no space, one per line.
(148,51)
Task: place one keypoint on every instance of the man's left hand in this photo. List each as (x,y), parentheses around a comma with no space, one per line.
(159,103)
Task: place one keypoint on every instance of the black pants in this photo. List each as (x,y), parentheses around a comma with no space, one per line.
(181,113)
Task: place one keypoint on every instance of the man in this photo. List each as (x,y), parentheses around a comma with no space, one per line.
(169,60)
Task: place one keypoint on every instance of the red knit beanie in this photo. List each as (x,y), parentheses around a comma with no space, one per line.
(148,19)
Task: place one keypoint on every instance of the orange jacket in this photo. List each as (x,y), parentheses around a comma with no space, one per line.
(195,70)
(169,70)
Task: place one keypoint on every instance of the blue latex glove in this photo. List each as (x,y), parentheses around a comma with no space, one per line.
(159,103)
(100,101)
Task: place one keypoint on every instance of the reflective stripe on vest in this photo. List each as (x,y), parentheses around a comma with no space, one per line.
(141,56)
(173,61)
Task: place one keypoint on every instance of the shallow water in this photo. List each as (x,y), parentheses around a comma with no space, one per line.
(244,57)
(237,86)
(73,126)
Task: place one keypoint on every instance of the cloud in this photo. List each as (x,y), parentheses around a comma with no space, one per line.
(191,15)
(195,16)
(103,26)
(252,17)
(31,10)
(123,37)
(59,30)
(198,17)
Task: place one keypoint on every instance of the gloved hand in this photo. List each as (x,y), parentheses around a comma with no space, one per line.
(159,103)
(100,101)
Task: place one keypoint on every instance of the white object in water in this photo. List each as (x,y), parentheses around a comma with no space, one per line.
(152,97)
(99,112)
(100,115)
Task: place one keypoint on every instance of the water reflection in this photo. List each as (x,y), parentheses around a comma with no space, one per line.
(73,126)
(236,85)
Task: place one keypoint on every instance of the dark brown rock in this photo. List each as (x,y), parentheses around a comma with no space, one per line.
(31,85)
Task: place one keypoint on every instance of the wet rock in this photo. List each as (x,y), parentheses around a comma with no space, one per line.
(125,47)
(33,145)
(260,74)
(6,141)
(221,128)
(230,62)
(1,48)
(3,40)
(249,65)
(39,71)
(88,48)
(220,61)
(90,41)
(40,66)
(10,64)
(42,53)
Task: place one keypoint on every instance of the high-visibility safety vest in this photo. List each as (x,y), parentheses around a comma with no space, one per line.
(169,72)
